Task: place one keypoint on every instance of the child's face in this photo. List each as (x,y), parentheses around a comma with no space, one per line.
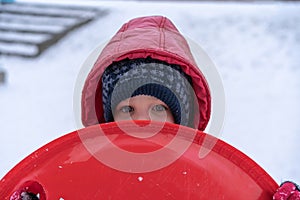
(143,107)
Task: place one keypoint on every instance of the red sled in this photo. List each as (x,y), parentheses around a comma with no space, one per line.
(138,160)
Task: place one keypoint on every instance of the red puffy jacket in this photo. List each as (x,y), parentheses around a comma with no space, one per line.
(154,37)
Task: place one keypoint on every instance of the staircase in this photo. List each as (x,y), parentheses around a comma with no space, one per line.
(27,29)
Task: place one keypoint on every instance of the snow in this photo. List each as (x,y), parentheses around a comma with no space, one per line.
(255,46)
(23,49)
(74,12)
(25,37)
(32,27)
(29,19)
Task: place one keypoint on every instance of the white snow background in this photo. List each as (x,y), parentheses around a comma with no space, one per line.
(256,47)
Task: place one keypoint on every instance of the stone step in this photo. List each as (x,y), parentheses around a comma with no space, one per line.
(27,29)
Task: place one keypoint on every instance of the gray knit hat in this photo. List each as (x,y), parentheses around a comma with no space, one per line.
(129,78)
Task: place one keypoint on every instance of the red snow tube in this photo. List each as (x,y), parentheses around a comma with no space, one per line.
(138,160)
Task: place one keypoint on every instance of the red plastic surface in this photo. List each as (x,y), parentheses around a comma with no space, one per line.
(91,164)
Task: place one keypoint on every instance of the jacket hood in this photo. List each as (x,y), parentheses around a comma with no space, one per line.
(143,37)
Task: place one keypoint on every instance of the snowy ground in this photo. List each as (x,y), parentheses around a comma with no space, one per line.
(255,46)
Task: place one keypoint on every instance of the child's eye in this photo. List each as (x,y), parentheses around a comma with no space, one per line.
(159,108)
(126,109)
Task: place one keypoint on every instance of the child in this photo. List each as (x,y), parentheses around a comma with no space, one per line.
(155,57)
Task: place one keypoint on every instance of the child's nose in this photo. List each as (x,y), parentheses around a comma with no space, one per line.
(141,116)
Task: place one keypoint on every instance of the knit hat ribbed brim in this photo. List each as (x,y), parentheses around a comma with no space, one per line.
(129,78)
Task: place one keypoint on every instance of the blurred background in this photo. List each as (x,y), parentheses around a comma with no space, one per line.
(254,44)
